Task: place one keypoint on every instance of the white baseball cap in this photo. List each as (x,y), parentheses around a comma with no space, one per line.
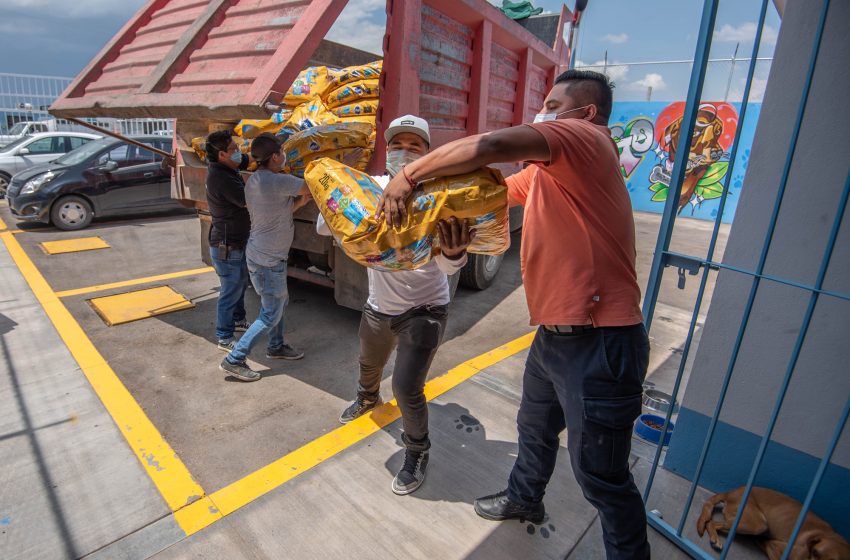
(408,123)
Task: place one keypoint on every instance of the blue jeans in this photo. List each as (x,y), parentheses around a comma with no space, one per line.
(591,384)
(270,283)
(233,275)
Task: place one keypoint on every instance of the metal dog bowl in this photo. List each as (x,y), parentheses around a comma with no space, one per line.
(659,401)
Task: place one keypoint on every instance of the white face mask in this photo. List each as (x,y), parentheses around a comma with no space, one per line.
(396,159)
(544,117)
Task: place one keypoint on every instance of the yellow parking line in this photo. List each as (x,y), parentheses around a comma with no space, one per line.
(158,459)
(240,493)
(135,282)
(193,509)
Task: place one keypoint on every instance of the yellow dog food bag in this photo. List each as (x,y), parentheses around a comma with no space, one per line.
(351,93)
(325,138)
(308,115)
(297,167)
(347,199)
(362,108)
(371,71)
(251,128)
(315,81)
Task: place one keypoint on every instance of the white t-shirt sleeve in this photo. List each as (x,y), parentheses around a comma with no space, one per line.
(322,226)
(449,266)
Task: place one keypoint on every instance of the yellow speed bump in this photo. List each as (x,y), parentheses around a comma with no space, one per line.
(140,304)
(73,245)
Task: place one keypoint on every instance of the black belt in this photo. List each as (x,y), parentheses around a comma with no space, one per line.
(568,329)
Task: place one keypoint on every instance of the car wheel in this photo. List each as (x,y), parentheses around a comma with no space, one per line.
(480,271)
(71,213)
(454,280)
(4,183)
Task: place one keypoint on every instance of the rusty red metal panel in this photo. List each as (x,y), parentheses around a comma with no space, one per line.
(201,59)
(464,66)
(504,87)
(400,76)
(526,62)
(480,104)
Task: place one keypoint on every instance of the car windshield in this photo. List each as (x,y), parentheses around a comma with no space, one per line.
(12,146)
(84,152)
(17,129)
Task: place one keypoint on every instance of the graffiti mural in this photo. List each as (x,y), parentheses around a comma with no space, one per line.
(647,135)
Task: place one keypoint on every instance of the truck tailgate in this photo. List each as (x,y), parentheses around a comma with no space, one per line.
(201,59)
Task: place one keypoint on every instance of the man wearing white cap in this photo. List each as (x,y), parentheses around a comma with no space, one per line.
(406,311)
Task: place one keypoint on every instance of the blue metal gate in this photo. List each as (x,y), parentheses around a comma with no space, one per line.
(665,258)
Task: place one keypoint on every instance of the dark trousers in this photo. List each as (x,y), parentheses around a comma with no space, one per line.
(589,383)
(416,334)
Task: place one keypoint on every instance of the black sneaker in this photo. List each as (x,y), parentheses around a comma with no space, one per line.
(358,408)
(499,507)
(241,326)
(412,473)
(240,371)
(285,352)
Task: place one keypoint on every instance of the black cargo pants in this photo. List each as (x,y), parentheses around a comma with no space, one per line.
(591,383)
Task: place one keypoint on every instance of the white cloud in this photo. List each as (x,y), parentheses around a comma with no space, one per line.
(744,33)
(651,80)
(361,25)
(75,9)
(616,39)
(615,71)
(757,90)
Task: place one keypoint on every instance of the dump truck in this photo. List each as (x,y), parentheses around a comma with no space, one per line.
(461,64)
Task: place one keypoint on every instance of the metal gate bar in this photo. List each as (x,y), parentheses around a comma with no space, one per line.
(664,257)
(807,504)
(683,150)
(710,253)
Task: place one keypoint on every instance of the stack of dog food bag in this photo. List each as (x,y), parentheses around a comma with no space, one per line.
(326,113)
(347,199)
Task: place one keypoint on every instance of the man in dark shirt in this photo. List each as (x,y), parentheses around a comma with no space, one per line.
(231,226)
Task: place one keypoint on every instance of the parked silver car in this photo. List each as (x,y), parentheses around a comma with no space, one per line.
(33,150)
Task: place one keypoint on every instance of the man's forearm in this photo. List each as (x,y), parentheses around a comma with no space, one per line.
(510,145)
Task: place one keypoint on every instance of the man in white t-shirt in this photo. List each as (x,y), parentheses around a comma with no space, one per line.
(406,311)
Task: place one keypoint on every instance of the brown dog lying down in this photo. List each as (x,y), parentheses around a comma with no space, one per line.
(772,516)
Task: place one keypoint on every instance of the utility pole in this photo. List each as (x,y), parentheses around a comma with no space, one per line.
(731,73)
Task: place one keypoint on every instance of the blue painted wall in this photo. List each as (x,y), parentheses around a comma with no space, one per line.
(639,127)
(731,457)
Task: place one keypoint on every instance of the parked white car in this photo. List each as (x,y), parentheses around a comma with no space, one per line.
(36,149)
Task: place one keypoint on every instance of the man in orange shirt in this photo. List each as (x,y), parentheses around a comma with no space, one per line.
(586,367)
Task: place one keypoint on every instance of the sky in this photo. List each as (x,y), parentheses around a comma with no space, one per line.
(59,37)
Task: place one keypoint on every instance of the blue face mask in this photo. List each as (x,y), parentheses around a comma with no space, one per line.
(236,157)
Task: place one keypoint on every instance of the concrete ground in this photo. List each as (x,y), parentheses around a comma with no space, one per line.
(71,484)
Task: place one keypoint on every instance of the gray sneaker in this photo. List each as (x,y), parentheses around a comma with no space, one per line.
(358,408)
(285,352)
(240,371)
(241,326)
(412,473)
(227,344)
